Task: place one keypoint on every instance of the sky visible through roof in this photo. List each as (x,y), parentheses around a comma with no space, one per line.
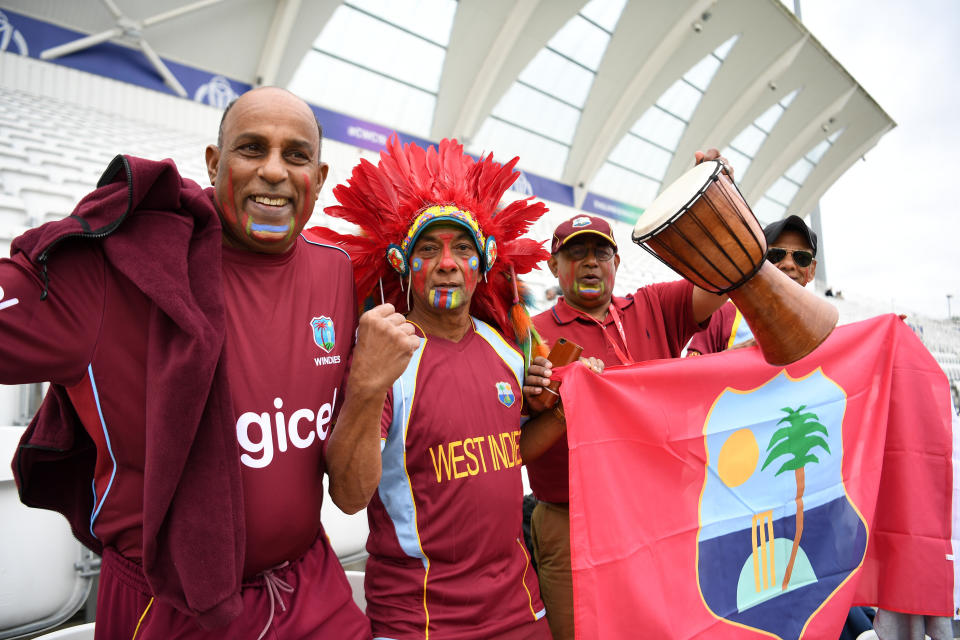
(891,223)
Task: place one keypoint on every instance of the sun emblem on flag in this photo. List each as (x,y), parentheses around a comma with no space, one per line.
(505,394)
(323,333)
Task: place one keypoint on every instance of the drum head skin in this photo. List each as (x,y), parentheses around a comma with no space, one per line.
(676,199)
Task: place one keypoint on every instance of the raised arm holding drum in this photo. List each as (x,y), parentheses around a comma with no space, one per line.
(700,227)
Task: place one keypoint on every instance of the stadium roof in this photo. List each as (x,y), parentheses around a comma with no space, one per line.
(610,96)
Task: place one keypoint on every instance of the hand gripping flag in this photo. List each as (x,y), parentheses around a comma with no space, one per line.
(721,497)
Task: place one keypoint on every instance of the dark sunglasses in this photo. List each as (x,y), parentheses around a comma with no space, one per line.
(800,257)
(604,252)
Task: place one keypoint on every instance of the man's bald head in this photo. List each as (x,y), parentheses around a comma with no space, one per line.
(284,99)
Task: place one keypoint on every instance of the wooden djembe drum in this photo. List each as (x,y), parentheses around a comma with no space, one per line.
(701,227)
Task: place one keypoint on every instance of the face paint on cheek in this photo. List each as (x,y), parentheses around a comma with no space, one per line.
(418,276)
(301,219)
(228,207)
(566,276)
(471,275)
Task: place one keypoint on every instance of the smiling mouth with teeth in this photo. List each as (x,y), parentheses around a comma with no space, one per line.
(273,202)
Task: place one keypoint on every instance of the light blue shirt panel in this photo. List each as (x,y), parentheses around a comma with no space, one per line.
(395,490)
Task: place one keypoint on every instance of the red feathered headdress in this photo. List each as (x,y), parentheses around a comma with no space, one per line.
(393,201)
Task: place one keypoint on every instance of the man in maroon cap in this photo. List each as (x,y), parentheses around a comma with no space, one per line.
(655,322)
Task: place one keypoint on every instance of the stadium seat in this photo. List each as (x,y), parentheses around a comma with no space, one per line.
(80,632)
(45,570)
(347,534)
(355,578)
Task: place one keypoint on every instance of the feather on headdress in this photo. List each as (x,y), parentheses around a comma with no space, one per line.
(390,202)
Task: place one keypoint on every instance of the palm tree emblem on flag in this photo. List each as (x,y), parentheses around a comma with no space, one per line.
(323,333)
(772,546)
(796,440)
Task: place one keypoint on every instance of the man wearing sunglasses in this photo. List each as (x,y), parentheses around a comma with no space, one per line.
(792,247)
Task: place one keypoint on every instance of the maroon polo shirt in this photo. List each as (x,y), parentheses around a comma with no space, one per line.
(657,322)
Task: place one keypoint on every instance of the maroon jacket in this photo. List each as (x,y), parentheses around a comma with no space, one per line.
(193,521)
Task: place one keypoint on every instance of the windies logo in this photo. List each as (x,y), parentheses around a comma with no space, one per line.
(505,394)
(323,333)
(778,533)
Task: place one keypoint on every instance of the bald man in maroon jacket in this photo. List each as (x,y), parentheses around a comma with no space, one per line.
(199,349)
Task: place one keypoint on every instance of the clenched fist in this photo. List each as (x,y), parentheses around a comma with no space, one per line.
(385,343)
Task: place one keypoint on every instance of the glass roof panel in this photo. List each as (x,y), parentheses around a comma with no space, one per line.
(724,49)
(787,99)
(625,186)
(768,211)
(638,154)
(537,154)
(800,170)
(341,86)
(558,76)
(538,112)
(739,162)
(382,48)
(605,13)
(660,127)
(702,73)
(680,99)
(817,152)
(783,191)
(432,19)
(582,41)
(749,140)
(769,118)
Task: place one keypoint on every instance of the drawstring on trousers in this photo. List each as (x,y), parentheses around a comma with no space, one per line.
(274,586)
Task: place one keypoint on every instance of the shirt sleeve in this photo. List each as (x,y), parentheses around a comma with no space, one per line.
(51,339)
(676,302)
(386,418)
(711,339)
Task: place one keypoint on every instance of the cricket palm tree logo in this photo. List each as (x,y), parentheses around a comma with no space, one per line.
(796,440)
(323,332)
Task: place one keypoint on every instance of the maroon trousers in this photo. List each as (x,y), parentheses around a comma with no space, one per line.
(303,599)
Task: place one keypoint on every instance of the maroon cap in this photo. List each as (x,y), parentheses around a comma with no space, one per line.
(579,225)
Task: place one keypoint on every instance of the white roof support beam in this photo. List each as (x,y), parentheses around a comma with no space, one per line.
(771,88)
(307,23)
(744,68)
(782,154)
(826,92)
(759,96)
(768,46)
(642,46)
(863,125)
(284,17)
(511,33)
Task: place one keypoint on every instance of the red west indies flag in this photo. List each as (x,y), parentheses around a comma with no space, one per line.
(722,497)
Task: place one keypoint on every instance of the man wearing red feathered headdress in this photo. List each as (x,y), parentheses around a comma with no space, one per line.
(446,548)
